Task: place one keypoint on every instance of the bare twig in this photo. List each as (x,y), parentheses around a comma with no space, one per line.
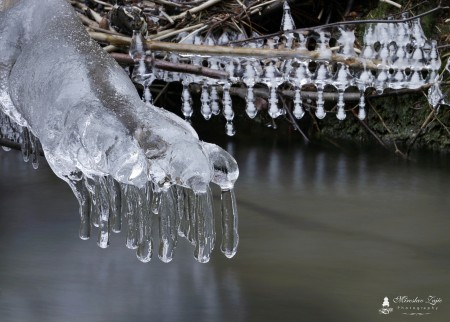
(427,121)
(397,150)
(369,129)
(201,7)
(293,121)
(395,4)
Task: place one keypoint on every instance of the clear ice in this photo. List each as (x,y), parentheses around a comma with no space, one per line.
(393,55)
(130,164)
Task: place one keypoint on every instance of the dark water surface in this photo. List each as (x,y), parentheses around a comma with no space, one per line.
(324,236)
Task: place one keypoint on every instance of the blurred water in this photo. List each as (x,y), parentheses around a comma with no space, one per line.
(324,236)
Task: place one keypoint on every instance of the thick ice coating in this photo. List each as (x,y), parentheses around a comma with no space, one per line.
(122,157)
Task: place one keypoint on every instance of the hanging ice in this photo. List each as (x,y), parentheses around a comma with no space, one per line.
(393,56)
(125,160)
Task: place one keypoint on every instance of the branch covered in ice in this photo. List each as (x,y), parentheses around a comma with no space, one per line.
(123,158)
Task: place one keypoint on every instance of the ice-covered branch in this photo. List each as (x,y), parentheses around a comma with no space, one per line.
(125,159)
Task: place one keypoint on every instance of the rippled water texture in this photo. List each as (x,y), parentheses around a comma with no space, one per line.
(324,236)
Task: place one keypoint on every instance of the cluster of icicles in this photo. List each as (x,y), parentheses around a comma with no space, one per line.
(29,144)
(403,56)
(172,212)
(148,212)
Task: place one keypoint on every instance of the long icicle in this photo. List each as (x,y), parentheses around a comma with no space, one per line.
(145,248)
(205,237)
(230,237)
(167,226)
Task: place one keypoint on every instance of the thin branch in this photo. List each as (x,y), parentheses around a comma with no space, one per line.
(395,4)
(369,129)
(293,121)
(397,150)
(201,7)
(427,121)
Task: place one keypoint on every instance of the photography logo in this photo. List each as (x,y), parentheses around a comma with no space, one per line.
(385,307)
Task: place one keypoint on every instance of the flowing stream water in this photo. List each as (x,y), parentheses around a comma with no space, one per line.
(324,236)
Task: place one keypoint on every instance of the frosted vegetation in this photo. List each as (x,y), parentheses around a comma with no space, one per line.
(127,161)
(394,55)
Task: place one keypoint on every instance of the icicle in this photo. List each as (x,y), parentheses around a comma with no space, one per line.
(214,100)
(34,151)
(137,45)
(250,108)
(324,45)
(298,105)
(186,101)
(145,242)
(130,197)
(347,41)
(76,182)
(91,187)
(418,34)
(228,110)
(205,235)
(167,226)
(26,144)
(186,213)
(435,61)
(156,200)
(271,78)
(147,94)
(287,24)
(320,112)
(380,83)
(206,108)
(141,74)
(249,80)
(341,105)
(115,201)
(230,237)
(362,105)
(435,96)
(104,227)
(183,211)
(274,111)
(190,210)
(321,77)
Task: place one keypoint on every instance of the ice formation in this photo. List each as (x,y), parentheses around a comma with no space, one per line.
(127,161)
(394,55)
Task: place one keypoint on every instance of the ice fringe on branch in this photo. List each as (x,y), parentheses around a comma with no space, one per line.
(399,54)
(128,162)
